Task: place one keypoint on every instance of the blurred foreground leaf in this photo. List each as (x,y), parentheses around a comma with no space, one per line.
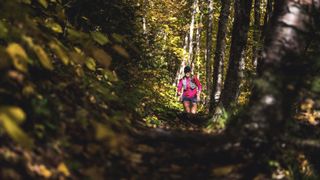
(117,37)
(10,117)
(55,27)
(77,36)
(43,57)
(91,64)
(100,38)
(102,57)
(18,56)
(44,3)
(102,131)
(63,169)
(120,50)
(58,50)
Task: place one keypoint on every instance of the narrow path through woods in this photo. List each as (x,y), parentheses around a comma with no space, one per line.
(184,154)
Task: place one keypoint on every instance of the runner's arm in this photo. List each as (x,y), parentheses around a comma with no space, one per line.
(179,88)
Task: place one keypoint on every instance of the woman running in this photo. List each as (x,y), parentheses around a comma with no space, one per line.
(191,91)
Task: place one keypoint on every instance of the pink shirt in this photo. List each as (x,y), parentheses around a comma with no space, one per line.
(188,92)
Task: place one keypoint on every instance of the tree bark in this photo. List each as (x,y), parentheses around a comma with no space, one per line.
(180,72)
(267,17)
(256,32)
(195,63)
(209,50)
(191,33)
(218,68)
(239,40)
(276,85)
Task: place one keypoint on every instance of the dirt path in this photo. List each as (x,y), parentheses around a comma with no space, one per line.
(148,153)
(173,154)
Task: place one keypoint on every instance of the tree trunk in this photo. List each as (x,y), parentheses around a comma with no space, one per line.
(219,57)
(196,64)
(267,17)
(256,32)
(191,33)
(180,72)
(209,50)
(276,86)
(239,40)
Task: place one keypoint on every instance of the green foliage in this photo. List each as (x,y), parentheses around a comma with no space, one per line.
(316,85)
(60,67)
(218,121)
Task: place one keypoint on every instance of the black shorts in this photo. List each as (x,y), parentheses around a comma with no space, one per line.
(192,99)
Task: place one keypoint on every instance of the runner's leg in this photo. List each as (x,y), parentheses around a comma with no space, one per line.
(186,105)
(194,108)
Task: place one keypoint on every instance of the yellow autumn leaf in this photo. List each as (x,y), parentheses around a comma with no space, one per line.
(28,40)
(14,113)
(43,57)
(18,56)
(63,169)
(55,27)
(100,38)
(117,37)
(28,90)
(77,36)
(58,50)
(44,3)
(44,171)
(120,50)
(15,132)
(91,64)
(102,57)
(102,131)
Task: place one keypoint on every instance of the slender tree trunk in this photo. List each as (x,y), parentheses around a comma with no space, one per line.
(179,73)
(195,65)
(209,50)
(191,33)
(219,57)
(239,40)
(267,18)
(276,88)
(256,33)
(144,25)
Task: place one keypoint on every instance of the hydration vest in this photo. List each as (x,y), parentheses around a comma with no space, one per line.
(192,84)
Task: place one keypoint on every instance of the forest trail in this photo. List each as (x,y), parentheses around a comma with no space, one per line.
(183,154)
